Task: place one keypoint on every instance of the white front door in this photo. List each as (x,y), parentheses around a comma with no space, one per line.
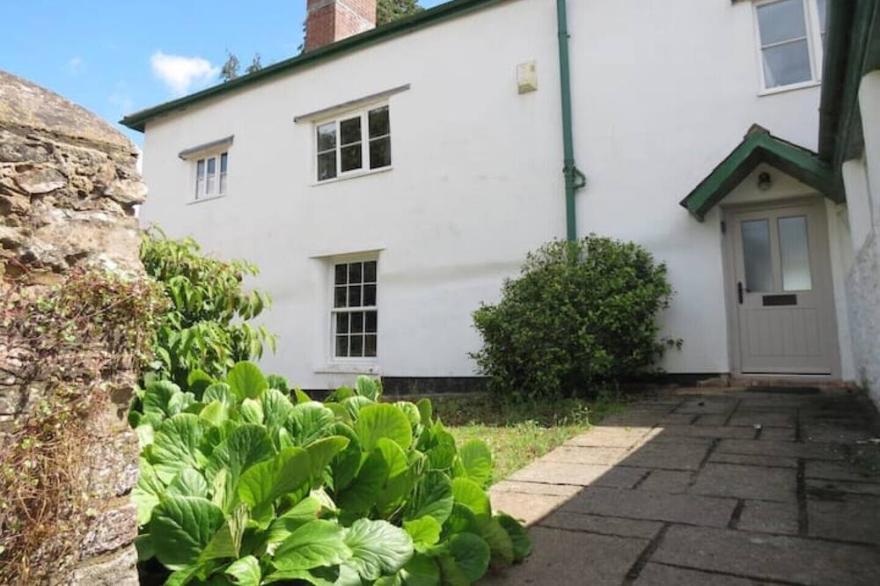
(782,290)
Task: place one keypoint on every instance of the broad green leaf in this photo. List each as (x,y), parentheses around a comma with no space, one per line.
(442,452)
(244,447)
(382,420)
(452,575)
(340,395)
(301,396)
(368,387)
(245,571)
(181,527)
(433,496)
(219,392)
(321,452)
(188,482)
(265,481)
(147,492)
(378,548)
(182,577)
(146,435)
(399,482)
(328,576)
(180,402)
(522,545)
(198,381)
(226,542)
(156,397)
(176,445)
(500,543)
(353,406)
(461,520)
(144,546)
(421,570)
(411,412)
(251,411)
(308,422)
(424,531)
(394,580)
(276,409)
(476,458)
(471,495)
(471,554)
(276,381)
(300,514)
(315,544)
(426,411)
(361,494)
(215,413)
(246,380)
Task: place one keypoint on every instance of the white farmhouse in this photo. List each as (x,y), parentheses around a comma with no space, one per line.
(387,180)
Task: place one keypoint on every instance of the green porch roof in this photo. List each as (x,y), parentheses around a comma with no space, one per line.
(759,146)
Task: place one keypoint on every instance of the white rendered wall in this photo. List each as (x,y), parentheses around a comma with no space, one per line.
(663,91)
(861,179)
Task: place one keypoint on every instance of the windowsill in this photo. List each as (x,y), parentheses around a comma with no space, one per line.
(349,368)
(789,88)
(204,199)
(352,176)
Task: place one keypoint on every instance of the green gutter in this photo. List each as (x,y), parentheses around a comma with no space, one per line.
(426,18)
(574,179)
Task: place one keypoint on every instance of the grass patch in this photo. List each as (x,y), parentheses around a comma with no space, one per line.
(518,433)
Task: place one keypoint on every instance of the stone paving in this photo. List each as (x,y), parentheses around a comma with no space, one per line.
(726,487)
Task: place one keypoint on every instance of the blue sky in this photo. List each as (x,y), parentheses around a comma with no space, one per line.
(118,56)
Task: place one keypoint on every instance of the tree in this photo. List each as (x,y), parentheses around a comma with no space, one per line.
(255,65)
(390,10)
(229,71)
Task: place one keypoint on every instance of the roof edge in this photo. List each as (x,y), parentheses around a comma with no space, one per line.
(137,120)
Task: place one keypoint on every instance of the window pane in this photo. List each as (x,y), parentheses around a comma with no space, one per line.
(795,251)
(371,322)
(341,323)
(756,254)
(341,273)
(200,178)
(370,346)
(222,183)
(355,272)
(787,64)
(354,296)
(200,187)
(781,21)
(357,346)
(380,153)
(379,123)
(212,166)
(350,130)
(339,297)
(369,295)
(822,6)
(370,272)
(342,346)
(200,168)
(352,158)
(357,323)
(327,166)
(327,137)
(224,162)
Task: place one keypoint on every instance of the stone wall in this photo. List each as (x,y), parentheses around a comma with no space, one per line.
(68,191)
(863,298)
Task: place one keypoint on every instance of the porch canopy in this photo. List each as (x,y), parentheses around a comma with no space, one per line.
(759,146)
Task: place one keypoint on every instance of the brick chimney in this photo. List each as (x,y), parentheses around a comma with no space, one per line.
(329,21)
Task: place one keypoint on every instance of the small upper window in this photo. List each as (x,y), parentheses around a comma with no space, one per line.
(790,35)
(353,144)
(211,176)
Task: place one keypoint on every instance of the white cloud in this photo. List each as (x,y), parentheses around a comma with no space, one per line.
(180,73)
(75,65)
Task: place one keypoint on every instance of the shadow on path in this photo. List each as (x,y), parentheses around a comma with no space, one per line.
(712,487)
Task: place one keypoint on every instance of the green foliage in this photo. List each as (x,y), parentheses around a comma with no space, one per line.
(580,313)
(251,485)
(206,330)
(391,10)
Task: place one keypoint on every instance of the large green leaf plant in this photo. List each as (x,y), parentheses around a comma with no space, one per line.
(243,482)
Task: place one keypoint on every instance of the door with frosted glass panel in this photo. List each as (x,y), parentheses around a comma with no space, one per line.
(783,296)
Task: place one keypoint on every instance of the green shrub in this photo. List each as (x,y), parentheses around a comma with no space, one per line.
(207,325)
(241,484)
(581,313)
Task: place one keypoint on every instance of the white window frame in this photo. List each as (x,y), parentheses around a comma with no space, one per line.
(200,180)
(814,47)
(334,311)
(365,142)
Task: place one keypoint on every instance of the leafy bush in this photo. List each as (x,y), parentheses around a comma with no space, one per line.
(241,484)
(580,313)
(207,325)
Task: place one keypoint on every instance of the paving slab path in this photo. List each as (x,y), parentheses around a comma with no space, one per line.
(727,487)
